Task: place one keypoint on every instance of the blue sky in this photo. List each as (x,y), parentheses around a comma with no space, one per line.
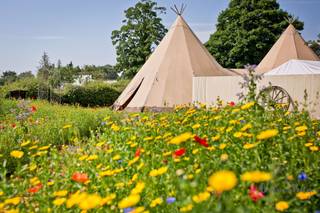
(79,30)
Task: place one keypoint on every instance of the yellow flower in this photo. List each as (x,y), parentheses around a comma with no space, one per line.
(67,126)
(108,200)
(314,148)
(76,198)
(157,172)
(250,146)
(25,143)
(181,138)
(267,134)
(224,157)
(186,208)
(44,148)
(133,161)
(256,176)
(115,127)
(116,157)
(223,181)
(59,201)
(119,185)
(61,193)
(203,196)
(246,127)
(34,181)
(138,210)
(13,201)
(215,138)
(90,202)
(195,151)
(12,211)
(237,134)
(247,105)
(138,189)
(130,201)
(1,193)
(196,126)
(282,206)
(16,154)
(301,128)
(222,146)
(308,144)
(92,157)
(305,195)
(156,202)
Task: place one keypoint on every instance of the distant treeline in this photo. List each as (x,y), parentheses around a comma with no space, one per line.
(57,74)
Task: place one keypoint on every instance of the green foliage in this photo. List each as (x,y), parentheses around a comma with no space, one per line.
(45,68)
(44,125)
(91,94)
(246,31)
(27,74)
(315,45)
(8,77)
(126,149)
(134,42)
(31,85)
(120,85)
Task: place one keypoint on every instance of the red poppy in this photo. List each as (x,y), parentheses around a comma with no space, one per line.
(255,194)
(201,141)
(232,104)
(35,189)
(33,108)
(79,177)
(138,152)
(13,125)
(179,152)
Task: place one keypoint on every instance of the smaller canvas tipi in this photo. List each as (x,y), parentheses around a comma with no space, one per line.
(165,80)
(289,46)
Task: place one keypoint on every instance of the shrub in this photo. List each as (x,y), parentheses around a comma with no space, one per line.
(120,85)
(91,94)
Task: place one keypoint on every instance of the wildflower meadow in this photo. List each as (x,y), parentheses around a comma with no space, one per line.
(226,158)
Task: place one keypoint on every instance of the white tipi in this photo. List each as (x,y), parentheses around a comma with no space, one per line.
(289,46)
(165,80)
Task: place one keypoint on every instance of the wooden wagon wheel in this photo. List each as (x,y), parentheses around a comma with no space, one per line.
(275,97)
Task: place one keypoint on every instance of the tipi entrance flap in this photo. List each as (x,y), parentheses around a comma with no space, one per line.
(123,103)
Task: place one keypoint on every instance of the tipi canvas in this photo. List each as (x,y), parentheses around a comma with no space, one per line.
(165,80)
(289,46)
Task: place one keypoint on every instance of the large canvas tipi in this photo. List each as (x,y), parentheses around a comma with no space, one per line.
(165,80)
(289,46)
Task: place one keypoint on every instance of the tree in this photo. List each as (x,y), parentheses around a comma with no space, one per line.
(45,68)
(27,74)
(246,31)
(134,42)
(315,45)
(8,77)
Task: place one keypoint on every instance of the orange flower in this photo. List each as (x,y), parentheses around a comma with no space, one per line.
(80,177)
(35,189)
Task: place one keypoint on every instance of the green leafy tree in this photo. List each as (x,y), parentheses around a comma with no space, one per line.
(315,45)
(134,42)
(8,77)
(24,75)
(45,68)
(246,31)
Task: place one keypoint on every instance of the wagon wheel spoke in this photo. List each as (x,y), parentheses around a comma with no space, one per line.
(277,94)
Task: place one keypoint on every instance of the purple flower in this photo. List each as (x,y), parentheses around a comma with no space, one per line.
(302,176)
(171,200)
(103,123)
(128,210)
